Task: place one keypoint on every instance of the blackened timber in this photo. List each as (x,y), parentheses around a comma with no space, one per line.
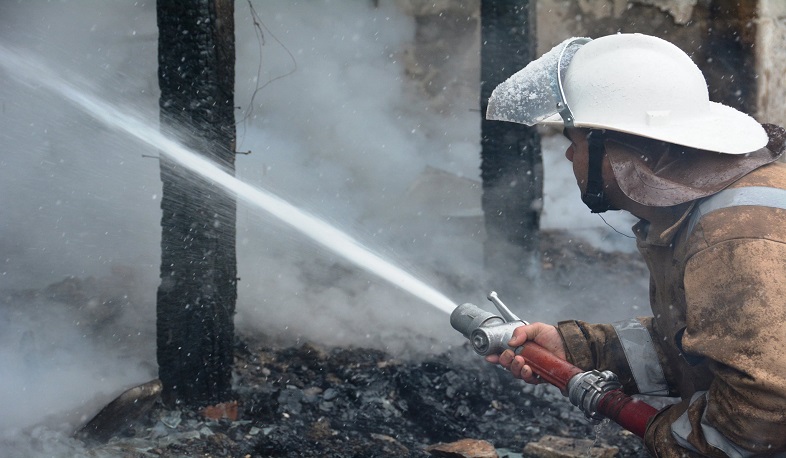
(198,291)
(511,161)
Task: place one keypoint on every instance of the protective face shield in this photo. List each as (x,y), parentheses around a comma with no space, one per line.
(535,93)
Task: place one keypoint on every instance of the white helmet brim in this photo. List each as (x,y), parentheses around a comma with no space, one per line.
(723,130)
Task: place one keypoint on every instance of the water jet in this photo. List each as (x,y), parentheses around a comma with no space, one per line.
(28,70)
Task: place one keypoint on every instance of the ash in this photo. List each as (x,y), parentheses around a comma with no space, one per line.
(312,400)
(308,401)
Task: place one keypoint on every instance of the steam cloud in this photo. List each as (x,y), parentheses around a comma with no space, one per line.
(346,134)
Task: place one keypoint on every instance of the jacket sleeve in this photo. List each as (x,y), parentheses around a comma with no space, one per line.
(736,317)
(625,348)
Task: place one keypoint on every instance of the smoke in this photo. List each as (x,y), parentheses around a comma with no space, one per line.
(345,135)
(340,117)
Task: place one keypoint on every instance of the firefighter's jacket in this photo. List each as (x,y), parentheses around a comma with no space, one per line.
(717,337)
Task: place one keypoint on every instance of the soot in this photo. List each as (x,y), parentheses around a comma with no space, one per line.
(309,401)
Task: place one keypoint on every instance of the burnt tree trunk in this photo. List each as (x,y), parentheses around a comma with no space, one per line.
(511,162)
(196,298)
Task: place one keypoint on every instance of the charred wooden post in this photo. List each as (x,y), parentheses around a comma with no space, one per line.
(196,298)
(511,162)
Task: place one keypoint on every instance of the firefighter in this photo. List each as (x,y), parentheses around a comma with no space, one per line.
(704,180)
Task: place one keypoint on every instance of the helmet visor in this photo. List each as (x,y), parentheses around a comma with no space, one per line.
(535,92)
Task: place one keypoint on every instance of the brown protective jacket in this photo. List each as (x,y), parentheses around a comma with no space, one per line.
(718,297)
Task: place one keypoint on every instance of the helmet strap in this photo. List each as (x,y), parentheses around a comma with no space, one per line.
(595,197)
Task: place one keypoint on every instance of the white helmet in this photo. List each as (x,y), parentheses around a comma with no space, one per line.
(631,83)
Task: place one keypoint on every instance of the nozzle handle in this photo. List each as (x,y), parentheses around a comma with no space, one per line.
(507,315)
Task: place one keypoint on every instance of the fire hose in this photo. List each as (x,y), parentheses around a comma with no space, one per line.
(598,394)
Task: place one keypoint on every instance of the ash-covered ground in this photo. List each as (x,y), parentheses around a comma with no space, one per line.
(307,399)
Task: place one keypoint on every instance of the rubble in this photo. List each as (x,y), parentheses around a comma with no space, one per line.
(464,448)
(564,447)
(309,401)
(121,413)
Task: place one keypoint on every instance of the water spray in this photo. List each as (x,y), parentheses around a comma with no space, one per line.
(32,72)
(597,393)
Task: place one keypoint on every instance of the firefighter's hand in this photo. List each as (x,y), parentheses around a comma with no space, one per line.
(542,334)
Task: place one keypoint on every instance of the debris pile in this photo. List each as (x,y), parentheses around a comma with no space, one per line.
(308,401)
